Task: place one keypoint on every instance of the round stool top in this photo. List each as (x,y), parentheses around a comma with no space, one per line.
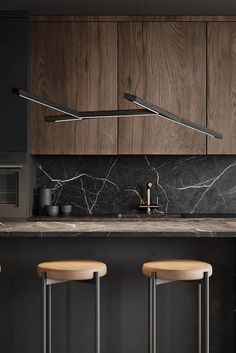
(177,270)
(71,270)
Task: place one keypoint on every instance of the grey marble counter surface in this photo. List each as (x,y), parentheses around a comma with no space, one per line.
(216,227)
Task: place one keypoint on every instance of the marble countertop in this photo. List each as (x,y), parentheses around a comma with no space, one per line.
(197,227)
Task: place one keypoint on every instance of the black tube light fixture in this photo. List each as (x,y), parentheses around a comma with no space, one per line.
(73,115)
(172,117)
(149,109)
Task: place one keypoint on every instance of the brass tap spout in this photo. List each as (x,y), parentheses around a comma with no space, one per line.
(149,186)
(148,206)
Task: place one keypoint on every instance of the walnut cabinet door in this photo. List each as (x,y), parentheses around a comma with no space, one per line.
(221,93)
(165,63)
(74,64)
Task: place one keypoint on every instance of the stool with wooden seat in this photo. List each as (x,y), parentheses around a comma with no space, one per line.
(53,272)
(164,271)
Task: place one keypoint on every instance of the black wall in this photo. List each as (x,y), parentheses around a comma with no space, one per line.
(122,7)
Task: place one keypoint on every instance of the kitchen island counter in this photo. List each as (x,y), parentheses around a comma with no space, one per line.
(198,227)
(124,245)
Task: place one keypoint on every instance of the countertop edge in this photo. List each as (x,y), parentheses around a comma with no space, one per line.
(133,229)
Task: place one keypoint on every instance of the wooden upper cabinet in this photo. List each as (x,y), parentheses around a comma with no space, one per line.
(74,64)
(221,93)
(165,63)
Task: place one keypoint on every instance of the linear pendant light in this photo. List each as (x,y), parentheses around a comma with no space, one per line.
(172,117)
(149,109)
(73,115)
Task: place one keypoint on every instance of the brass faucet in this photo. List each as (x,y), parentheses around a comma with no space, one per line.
(148,206)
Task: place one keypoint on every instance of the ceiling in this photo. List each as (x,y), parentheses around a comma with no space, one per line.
(121,7)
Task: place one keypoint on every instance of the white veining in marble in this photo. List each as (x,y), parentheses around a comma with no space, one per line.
(206,185)
(111,185)
(90,203)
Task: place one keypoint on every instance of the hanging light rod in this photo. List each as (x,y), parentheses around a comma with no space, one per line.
(73,115)
(99,114)
(172,117)
(149,110)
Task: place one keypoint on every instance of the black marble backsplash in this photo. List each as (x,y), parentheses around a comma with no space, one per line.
(117,184)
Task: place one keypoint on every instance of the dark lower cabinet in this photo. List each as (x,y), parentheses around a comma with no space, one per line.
(124,295)
(13,73)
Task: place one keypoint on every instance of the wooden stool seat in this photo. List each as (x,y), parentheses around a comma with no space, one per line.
(177,270)
(71,270)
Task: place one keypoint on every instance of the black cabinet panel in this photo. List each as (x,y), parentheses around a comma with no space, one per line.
(13,73)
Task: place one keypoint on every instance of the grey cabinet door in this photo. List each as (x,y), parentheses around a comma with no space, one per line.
(13,73)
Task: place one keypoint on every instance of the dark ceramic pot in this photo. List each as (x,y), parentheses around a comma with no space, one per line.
(44,199)
(65,210)
(52,211)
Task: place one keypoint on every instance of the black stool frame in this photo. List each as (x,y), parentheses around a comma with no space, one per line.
(47,311)
(153,283)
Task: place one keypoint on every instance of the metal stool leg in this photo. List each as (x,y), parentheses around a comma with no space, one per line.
(206,307)
(44,315)
(150,310)
(97,313)
(153,279)
(49,322)
(199,317)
